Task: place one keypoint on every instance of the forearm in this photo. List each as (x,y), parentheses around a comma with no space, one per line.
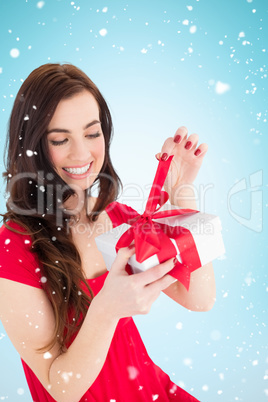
(184,196)
(202,291)
(72,373)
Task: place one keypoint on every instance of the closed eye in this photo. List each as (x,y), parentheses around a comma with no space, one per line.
(93,135)
(59,142)
(89,136)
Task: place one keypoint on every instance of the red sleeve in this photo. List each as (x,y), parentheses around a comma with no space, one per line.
(17,262)
(120,213)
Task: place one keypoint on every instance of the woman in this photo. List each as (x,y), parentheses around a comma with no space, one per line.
(68,319)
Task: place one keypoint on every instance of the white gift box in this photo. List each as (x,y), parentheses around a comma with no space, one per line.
(205,229)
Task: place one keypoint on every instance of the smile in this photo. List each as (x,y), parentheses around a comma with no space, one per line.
(77,171)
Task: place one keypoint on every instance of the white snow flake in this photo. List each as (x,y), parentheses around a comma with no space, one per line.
(185,22)
(103,32)
(179,325)
(7,241)
(43,279)
(105,9)
(66,376)
(193,29)
(173,389)
(187,361)
(40,4)
(221,87)
(47,355)
(20,391)
(29,152)
(14,53)
(205,387)
(132,372)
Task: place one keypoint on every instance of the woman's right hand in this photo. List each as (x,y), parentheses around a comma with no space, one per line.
(125,295)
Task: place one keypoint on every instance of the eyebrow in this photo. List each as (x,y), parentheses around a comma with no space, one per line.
(63,130)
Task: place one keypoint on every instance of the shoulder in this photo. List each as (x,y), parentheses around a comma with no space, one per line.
(17,261)
(14,235)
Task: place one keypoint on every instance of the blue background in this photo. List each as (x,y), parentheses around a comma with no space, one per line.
(156,76)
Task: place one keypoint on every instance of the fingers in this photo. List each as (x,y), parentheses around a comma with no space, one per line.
(157,272)
(201,150)
(122,258)
(182,142)
(180,135)
(164,282)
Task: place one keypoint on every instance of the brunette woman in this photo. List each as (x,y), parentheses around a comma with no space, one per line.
(71,321)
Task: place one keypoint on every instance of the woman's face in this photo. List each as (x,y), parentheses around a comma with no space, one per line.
(75,140)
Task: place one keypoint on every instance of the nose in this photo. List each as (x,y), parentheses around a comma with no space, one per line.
(79,151)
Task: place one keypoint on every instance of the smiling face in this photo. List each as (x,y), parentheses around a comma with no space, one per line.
(75,140)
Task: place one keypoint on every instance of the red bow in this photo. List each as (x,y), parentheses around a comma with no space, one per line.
(154,238)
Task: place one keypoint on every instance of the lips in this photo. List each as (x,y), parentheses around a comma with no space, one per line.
(78,172)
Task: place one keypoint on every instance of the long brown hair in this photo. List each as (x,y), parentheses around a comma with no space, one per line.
(33,189)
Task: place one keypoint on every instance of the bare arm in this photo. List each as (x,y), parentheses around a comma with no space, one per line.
(28,318)
(202,291)
(187,160)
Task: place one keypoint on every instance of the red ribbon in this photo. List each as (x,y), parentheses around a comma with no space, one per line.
(154,238)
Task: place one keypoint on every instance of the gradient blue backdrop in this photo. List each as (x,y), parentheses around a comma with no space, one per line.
(160,65)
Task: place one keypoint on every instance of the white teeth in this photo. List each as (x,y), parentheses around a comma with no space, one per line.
(77,170)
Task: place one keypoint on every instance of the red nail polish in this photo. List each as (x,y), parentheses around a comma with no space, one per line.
(188,145)
(175,261)
(177,139)
(164,157)
(197,152)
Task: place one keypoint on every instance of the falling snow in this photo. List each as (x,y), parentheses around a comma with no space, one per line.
(233,65)
(103,32)
(47,355)
(132,372)
(221,87)
(40,4)
(29,152)
(14,53)
(193,29)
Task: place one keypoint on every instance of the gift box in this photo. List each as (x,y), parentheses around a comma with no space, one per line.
(165,232)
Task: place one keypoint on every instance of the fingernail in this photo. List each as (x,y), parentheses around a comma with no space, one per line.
(164,157)
(175,261)
(156,157)
(177,139)
(188,145)
(197,152)
(131,246)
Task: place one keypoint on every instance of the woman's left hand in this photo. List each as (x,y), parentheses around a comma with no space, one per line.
(187,160)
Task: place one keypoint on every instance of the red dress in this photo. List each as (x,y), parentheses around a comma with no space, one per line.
(128,374)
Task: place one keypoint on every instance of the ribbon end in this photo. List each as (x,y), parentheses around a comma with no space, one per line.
(182,273)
